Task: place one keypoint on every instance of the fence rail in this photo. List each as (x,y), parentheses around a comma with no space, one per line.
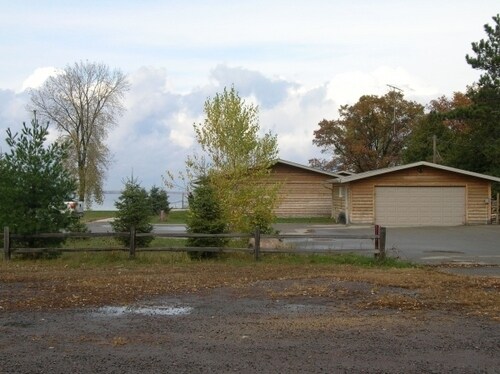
(379,238)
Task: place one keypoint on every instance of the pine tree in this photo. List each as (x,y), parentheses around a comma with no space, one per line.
(134,209)
(159,200)
(205,217)
(34,185)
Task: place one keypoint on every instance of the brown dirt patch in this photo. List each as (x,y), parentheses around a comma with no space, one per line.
(248,318)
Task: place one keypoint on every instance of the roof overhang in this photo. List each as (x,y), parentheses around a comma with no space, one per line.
(373,173)
(308,168)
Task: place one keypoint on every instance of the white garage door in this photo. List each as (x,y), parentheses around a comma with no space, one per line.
(428,206)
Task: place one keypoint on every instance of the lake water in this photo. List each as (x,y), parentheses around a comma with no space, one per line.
(177,200)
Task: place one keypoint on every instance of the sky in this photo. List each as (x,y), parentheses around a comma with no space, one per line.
(297,60)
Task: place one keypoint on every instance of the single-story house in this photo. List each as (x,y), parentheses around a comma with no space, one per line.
(420,193)
(303,191)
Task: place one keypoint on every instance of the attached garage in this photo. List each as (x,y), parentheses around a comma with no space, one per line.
(303,192)
(417,206)
(418,194)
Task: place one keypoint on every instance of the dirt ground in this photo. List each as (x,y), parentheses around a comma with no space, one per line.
(316,322)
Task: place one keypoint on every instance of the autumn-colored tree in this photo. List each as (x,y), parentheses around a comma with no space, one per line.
(368,135)
(238,161)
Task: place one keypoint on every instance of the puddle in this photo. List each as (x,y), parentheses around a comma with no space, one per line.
(114,311)
(302,308)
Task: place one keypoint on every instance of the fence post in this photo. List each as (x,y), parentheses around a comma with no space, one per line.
(377,233)
(132,242)
(382,243)
(257,244)
(6,243)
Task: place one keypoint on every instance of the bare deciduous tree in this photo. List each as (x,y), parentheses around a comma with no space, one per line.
(84,101)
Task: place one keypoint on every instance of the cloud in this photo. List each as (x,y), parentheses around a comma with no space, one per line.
(268,92)
(348,87)
(12,113)
(39,76)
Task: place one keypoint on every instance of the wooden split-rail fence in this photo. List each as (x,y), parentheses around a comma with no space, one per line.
(256,238)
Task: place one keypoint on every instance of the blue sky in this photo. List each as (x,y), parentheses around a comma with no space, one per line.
(298,60)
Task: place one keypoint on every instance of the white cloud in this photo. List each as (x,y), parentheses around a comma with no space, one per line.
(39,76)
(348,87)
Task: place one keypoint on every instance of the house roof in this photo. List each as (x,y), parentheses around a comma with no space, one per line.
(373,173)
(327,173)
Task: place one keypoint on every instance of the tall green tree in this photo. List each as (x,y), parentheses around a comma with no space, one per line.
(482,140)
(238,161)
(486,56)
(205,217)
(467,126)
(84,101)
(368,135)
(133,209)
(435,136)
(34,183)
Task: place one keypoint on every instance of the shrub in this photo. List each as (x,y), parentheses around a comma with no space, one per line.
(133,210)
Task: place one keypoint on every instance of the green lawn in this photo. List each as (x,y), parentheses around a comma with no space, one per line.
(306,220)
(175,216)
(180,216)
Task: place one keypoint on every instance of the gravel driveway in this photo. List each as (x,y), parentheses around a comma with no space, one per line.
(256,329)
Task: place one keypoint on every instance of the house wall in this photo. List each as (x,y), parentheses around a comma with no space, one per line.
(362,193)
(338,200)
(303,193)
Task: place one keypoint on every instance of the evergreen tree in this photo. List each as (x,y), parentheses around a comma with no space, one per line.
(478,148)
(159,200)
(134,209)
(487,55)
(205,217)
(34,185)
(467,126)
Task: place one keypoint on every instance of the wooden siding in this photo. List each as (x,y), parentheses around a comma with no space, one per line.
(303,193)
(338,200)
(362,192)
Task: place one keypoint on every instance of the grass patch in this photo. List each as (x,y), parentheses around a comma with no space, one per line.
(174,217)
(121,259)
(95,215)
(338,259)
(180,217)
(102,242)
(306,220)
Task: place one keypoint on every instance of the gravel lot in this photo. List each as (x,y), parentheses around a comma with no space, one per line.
(312,325)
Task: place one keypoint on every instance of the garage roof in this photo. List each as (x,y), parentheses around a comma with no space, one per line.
(327,173)
(372,173)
